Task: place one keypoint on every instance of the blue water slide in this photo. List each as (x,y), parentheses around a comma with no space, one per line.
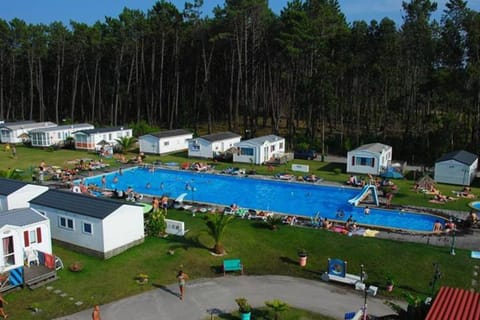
(363,193)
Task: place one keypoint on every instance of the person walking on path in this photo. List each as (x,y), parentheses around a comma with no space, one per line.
(181,277)
(96,313)
(2,311)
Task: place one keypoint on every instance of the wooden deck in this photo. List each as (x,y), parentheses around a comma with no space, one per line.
(36,276)
(33,276)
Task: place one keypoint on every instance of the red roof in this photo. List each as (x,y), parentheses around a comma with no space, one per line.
(453,303)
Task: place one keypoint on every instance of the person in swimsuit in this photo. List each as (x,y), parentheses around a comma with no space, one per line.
(181,277)
(96,313)
(437,227)
(2,311)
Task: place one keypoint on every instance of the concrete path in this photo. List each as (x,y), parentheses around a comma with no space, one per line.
(205,297)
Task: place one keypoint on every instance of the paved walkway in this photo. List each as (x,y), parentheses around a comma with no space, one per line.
(205,297)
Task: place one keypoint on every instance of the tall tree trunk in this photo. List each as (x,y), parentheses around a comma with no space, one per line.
(160,86)
(118,72)
(31,71)
(76,72)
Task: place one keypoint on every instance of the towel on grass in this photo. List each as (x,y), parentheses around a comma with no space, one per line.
(370,233)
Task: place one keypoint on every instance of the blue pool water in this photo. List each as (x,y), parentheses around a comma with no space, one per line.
(301,199)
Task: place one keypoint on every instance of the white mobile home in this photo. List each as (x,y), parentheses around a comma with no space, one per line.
(259,150)
(16,194)
(164,141)
(96,226)
(457,167)
(23,231)
(90,139)
(46,137)
(209,145)
(372,158)
(17,132)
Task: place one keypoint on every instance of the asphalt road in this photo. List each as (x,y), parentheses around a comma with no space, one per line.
(205,297)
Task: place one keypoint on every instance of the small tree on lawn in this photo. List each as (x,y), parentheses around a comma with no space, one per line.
(156,224)
(273,222)
(126,143)
(277,306)
(216,224)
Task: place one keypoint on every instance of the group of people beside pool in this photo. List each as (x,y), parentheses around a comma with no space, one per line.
(350,224)
(160,203)
(449,226)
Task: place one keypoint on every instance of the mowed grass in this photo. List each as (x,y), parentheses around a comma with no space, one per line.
(262,251)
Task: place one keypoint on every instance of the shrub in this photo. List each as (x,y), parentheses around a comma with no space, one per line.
(243,305)
(274,221)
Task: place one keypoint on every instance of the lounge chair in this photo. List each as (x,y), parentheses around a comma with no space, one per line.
(228,210)
(178,203)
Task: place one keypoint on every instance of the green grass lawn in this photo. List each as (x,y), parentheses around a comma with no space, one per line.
(104,281)
(101,281)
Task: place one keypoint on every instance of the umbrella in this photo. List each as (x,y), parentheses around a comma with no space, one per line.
(391,174)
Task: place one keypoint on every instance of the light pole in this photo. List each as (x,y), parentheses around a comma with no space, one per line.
(436,276)
(363,274)
(365,294)
(452,248)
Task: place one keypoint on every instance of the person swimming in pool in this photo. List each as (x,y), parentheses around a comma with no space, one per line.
(340,213)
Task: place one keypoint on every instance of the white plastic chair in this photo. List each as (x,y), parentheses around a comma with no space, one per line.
(32,256)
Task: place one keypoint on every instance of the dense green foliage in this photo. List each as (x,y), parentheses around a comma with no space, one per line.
(306,73)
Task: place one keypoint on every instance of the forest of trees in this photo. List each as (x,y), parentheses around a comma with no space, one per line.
(305,73)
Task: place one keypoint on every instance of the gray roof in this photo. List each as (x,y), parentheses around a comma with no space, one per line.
(460,156)
(28,125)
(220,136)
(263,139)
(102,130)
(77,126)
(169,133)
(8,186)
(78,203)
(373,147)
(8,124)
(20,217)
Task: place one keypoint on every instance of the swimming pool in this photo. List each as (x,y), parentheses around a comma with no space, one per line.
(303,199)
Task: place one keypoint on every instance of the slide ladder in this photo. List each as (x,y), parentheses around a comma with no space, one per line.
(364,193)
